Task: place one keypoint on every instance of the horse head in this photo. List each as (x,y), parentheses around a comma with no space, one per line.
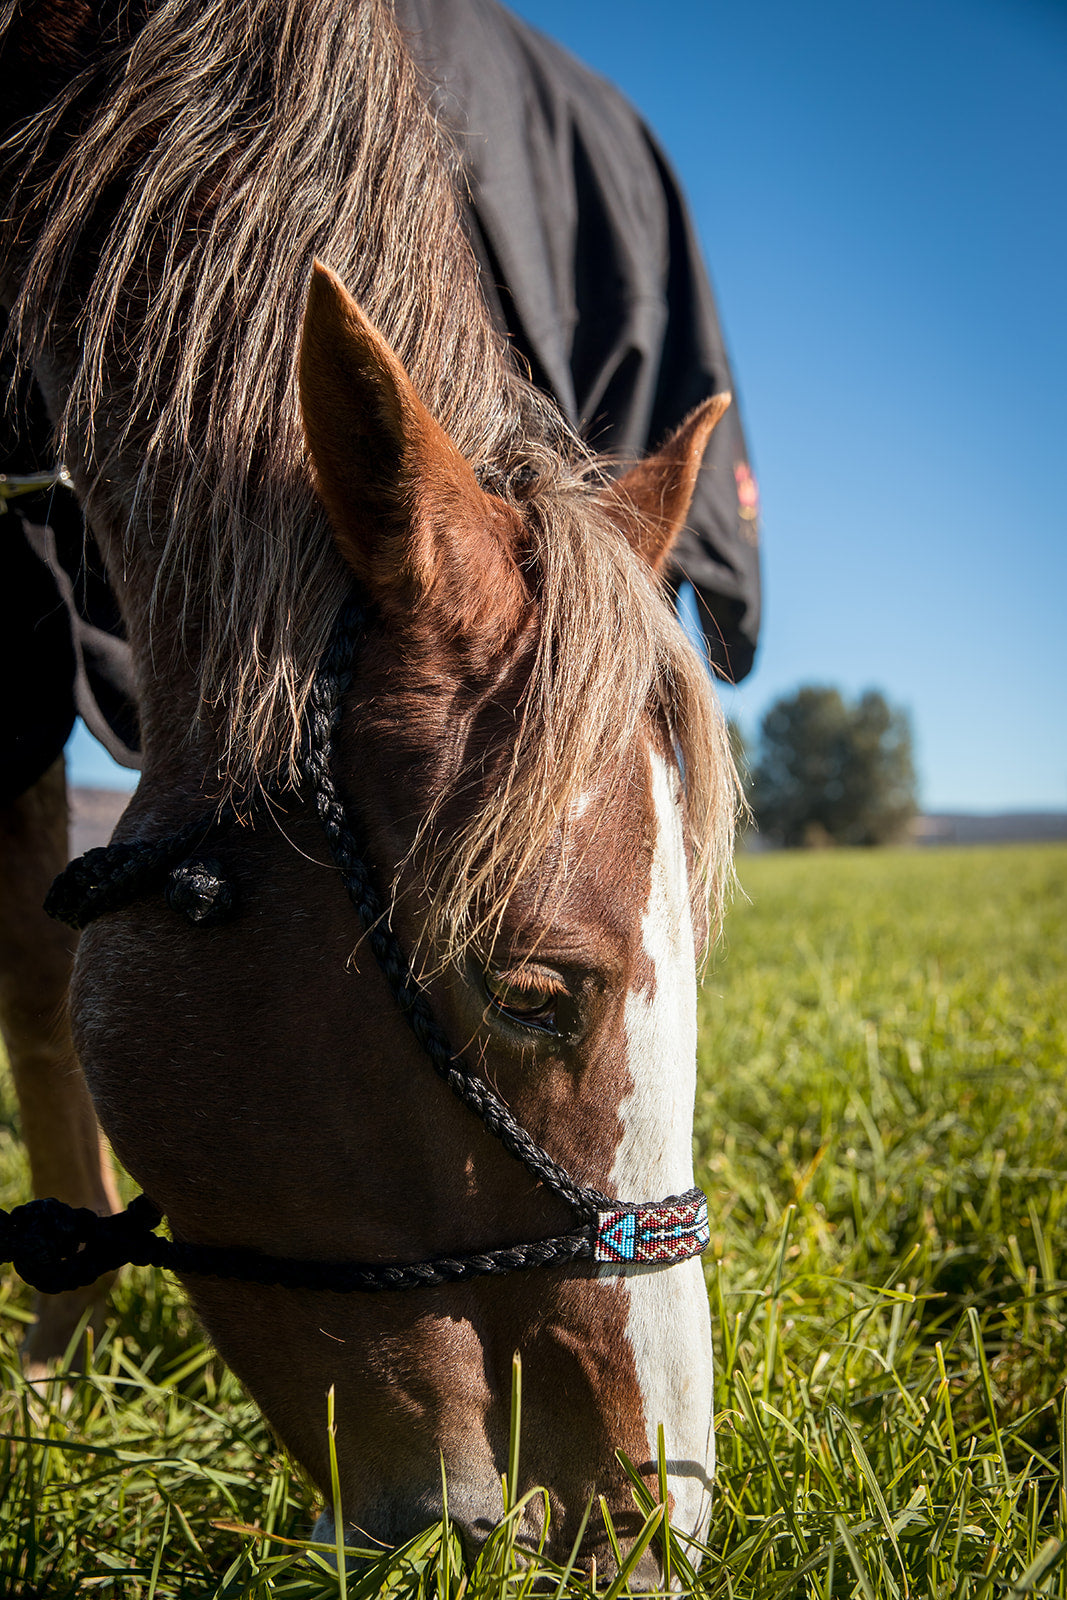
(544,793)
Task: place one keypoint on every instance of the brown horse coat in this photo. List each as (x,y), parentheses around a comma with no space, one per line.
(523,708)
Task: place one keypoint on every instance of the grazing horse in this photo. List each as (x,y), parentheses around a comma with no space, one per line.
(534,754)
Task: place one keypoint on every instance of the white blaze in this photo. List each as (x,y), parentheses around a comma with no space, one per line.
(669,1323)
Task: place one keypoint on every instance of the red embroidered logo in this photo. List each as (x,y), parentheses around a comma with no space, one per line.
(747,492)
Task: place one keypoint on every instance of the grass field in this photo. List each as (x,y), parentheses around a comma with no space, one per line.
(881,1133)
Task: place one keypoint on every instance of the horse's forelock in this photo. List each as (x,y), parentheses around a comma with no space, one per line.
(610,656)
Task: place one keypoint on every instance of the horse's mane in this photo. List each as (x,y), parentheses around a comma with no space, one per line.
(173,195)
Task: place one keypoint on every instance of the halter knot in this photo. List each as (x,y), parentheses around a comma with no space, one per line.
(200,890)
(55,1246)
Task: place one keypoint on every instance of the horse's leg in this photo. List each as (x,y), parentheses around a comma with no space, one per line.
(67,1159)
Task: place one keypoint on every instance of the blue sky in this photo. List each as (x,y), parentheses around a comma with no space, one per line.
(880,190)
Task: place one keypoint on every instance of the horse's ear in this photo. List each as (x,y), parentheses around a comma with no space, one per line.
(407,512)
(653,497)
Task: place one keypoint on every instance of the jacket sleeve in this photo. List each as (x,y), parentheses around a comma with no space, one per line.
(718,551)
(591,266)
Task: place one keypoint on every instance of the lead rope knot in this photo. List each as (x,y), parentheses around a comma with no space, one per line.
(55,1246)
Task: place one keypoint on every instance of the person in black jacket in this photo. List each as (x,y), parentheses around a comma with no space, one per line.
(590,265)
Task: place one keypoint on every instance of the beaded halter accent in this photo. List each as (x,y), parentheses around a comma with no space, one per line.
(56,1247)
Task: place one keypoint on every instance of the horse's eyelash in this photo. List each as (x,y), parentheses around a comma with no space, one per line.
(530,978)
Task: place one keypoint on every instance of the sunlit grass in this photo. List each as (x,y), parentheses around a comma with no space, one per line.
(880,1129)
(881,1132)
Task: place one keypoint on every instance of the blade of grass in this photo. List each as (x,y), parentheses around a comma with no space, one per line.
(680,1563)
(609,1528)
(661,1467)
(153,1581)
(863,1577)
(1044,1564)
(867,1474)
(637,1550)
(992,1410)
(511,1487)
(564,1577)
(335,1490)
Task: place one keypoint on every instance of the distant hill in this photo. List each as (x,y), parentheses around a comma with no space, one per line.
(93,815)
(966,827)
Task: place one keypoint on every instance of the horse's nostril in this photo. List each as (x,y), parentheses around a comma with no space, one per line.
(472,1537)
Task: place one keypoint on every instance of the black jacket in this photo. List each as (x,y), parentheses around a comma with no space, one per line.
(590,265)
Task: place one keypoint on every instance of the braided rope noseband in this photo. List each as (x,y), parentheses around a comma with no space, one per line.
(55,1246)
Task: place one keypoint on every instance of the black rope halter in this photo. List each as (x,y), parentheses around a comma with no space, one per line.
(54,1246)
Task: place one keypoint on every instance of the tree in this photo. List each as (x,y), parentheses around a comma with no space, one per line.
(827,771)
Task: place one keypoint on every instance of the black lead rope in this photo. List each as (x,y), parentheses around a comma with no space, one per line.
(55,1247)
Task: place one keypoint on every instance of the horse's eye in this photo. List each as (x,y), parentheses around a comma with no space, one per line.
(528,995)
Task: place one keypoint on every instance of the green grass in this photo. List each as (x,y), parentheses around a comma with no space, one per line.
(881,1132)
